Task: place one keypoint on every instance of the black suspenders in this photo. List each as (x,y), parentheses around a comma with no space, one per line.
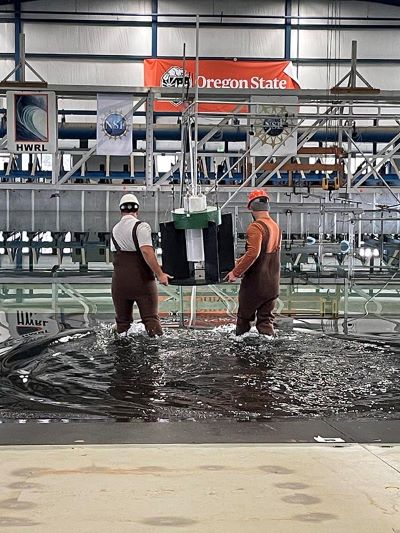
(116,245)
(134,238)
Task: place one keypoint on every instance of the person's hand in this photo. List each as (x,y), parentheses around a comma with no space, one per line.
(163,278)
(230,277)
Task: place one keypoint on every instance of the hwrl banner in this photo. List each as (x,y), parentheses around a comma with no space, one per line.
(114,124)
(31,122)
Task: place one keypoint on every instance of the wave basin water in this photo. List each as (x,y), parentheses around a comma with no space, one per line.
(199,375)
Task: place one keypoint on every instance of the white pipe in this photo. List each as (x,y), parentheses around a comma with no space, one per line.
(132,169)
(192,306)
(195,245)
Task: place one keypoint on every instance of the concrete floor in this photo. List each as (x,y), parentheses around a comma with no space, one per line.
(200,488)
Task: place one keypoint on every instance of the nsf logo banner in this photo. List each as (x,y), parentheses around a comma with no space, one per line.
(114,124)
(274,128)
(31,122)
(217,74)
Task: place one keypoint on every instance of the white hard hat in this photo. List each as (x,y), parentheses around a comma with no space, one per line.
(129,199)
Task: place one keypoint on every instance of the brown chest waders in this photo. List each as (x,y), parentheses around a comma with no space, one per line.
(133,282)
(259,290)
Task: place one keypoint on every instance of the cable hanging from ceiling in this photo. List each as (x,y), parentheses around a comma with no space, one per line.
(333,54)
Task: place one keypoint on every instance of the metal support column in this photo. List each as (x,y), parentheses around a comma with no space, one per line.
(349,159)
(108,223)
(353,70)
(350,255)
(196,113)
(19,73)
(83,211)
(54,296)
(156,210)
(32,210)
(149,139)
(181,307)
(235,228)
(56,165)
(353,74)
(288,28)
(8,210)
(154,28)
(19,56)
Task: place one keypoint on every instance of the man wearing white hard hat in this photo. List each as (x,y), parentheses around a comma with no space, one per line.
(135,269)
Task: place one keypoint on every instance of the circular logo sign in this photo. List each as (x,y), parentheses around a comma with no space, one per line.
(115,125)
(276,127)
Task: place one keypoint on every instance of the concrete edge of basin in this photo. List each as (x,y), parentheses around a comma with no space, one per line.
(276,431)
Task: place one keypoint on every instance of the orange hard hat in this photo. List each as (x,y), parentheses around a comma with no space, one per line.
(254,195)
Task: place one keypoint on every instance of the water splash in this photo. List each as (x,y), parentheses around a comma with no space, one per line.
(196,375)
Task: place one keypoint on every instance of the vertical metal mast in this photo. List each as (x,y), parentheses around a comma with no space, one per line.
(196,109)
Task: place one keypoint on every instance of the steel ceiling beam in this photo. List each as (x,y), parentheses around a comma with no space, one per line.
(228,95)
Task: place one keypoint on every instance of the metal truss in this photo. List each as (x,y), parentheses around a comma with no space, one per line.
(341,115)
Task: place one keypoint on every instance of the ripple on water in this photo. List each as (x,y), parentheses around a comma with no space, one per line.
(208,374)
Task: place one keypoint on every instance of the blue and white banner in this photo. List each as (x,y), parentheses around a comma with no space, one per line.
(31,122)
(114,124)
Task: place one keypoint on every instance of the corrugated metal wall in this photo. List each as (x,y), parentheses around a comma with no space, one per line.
(109,49)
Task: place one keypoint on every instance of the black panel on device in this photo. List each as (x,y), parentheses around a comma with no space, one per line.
(210,241)
(226,248)
(174,258)
(218,252)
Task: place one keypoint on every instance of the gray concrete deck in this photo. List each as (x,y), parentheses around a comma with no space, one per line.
(200,488)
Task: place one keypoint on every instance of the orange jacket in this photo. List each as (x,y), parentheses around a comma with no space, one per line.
(254,238)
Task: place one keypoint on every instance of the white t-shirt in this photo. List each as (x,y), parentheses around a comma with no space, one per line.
(122,232)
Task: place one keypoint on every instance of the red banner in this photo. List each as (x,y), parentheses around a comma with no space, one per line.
(217,74)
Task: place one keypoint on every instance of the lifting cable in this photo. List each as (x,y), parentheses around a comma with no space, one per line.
(333,52)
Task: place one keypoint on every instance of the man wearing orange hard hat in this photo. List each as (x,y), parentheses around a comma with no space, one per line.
(259,268)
